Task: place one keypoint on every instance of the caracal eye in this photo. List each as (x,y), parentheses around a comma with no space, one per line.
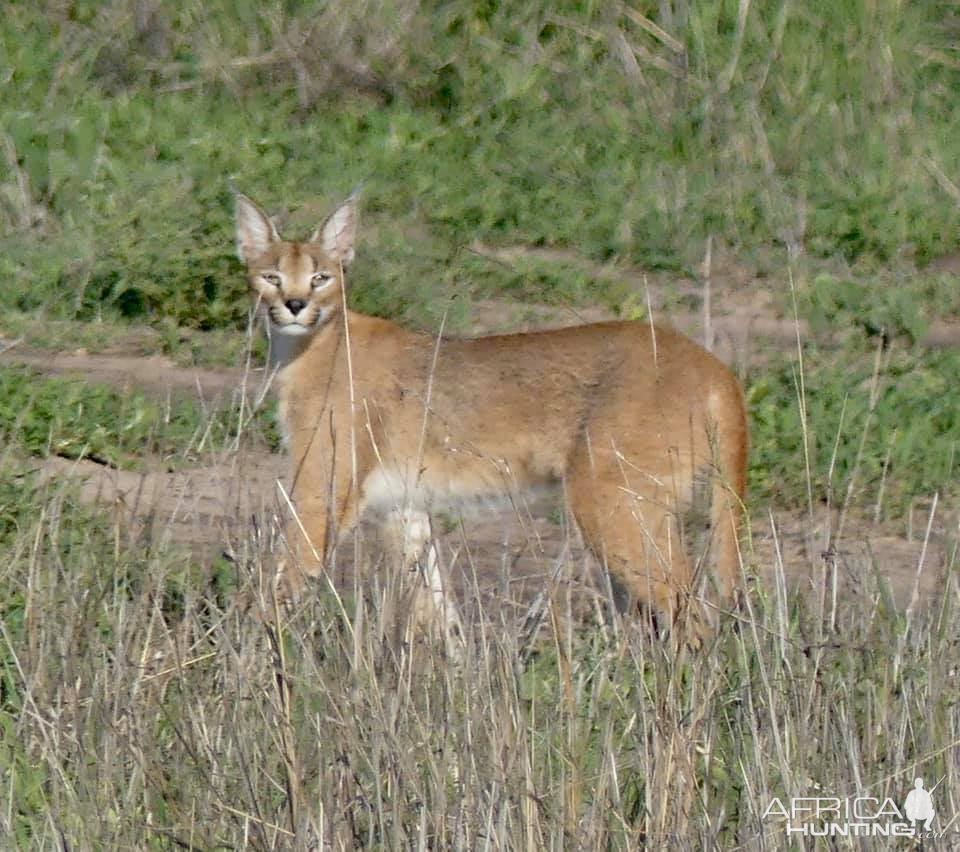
(321,279)
(272,278)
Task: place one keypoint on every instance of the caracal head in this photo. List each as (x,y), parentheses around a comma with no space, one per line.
(298,285)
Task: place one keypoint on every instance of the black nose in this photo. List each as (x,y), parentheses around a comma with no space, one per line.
(295,305)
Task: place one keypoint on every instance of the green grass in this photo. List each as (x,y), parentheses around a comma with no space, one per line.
(74,418)
(827,126)
(884,428)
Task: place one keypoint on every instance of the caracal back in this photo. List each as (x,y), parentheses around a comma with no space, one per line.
(629,419)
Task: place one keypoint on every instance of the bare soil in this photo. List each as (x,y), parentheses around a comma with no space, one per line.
(500,559)
(156,373)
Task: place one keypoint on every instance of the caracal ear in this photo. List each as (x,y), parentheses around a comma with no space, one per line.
(338,234)
(255,230)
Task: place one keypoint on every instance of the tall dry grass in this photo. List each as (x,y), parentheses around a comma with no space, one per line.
(143,708)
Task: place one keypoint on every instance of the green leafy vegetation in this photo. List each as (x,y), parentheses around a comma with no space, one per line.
(835,304)
(887,424)
(73,418)
(575,125)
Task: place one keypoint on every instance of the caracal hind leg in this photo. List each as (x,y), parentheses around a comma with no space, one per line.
(728,489)
(628,521)
(433,605)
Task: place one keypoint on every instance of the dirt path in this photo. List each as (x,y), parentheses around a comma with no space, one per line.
(146,372)
(501,559)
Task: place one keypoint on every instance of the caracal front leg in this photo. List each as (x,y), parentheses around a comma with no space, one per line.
(314,525)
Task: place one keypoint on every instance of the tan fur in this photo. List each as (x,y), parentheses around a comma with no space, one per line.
(627,417)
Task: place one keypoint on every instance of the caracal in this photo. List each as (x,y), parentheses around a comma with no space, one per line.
(628,418)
